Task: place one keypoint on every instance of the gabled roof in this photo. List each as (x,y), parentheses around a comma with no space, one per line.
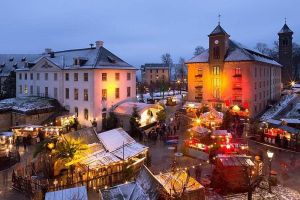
(218,31)
(236,53)
(285,29)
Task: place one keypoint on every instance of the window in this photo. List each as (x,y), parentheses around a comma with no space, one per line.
(117,93)
(67,93)
(76,111)
(157,71)
(67,76)
(31,76)
(104,94)
(46,76)
(86,77)
(25,89)
(75,94)
(128,76)
(20,76)
(46,91)
(216,87)
(55,93)
(199,73)
(86,114)
(38,90)
(38,76)
(237,71)
(85,95)
(55,76)
(104,76)
(75,76)
(31,90)
(150,70)
(128,91)
(25,76)
(216,52)
(20,89)
(216,70)
(255,72)
(163,71)
(163,77)
(117,76)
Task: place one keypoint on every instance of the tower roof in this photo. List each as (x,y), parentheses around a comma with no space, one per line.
(285,29)
(218,31)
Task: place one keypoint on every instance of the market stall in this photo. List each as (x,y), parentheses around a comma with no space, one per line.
(212,119)
(27,130)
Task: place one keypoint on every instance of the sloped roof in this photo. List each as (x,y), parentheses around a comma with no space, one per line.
(126,108)
(285,29)
(218,31)
(235,160)
(235,53)
(67,194)
(11,62)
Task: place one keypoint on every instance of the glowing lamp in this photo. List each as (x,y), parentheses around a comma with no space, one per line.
(50,145)
(227,146)
(198,121)
(293,83)
(236,108)
(270,154)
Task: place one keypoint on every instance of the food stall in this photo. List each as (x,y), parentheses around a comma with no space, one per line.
(212,119)
(26,130)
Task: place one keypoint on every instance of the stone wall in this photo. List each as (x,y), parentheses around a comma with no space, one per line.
(36,119)
(5,121)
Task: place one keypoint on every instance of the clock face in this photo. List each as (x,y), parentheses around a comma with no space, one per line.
(216,41)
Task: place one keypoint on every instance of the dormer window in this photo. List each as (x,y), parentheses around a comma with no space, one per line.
(111,59)
(3,64)
(23,59)
(80,61)
(11,59)
(15,65)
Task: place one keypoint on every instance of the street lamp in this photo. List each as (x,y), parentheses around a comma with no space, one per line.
(270,155)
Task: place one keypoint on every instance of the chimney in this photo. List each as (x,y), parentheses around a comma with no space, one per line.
(48,50)
(99,44)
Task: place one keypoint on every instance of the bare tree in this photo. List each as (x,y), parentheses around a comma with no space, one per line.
(166,59)
(199,50)
(262,48)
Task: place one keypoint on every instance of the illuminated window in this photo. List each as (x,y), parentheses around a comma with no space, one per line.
(117,76)
(67,93)
(25,89)
(76,111)
(117,93)
(104,94)
(216,87)
(237,71)
(128,91)
(216,70)
(75,94)
(86,114)
(104,76)
(75,76)
(85,95)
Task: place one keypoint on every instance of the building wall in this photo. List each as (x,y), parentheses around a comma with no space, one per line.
(94,85)
(155,74)
(5,121)
(256,85)
(36,119)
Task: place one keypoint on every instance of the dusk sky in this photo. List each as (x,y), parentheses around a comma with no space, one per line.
(140,31)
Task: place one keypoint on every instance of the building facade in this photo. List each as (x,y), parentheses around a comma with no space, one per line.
(87,82)
(153,73)
(229,74)
(286,55)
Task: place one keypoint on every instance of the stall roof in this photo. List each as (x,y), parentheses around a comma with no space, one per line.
(291,121)
(99,158)
(200,129)
(67,194)
(273,121)
(235,160)
(130,150)
(6,134)
(289,129)
(221,132)
(126,108)
(115,139)
(192,105)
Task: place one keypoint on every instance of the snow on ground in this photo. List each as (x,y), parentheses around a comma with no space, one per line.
(272,112)
(25,104)
(278,193)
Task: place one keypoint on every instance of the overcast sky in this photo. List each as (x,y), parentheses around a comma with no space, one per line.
(140,31)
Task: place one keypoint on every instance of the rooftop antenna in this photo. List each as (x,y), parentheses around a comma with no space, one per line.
(219,16)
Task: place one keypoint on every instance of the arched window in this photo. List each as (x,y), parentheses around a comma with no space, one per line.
(86,114)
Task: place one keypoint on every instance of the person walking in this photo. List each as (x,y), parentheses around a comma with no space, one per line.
(24,143)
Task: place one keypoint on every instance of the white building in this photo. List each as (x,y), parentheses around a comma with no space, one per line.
(87,82)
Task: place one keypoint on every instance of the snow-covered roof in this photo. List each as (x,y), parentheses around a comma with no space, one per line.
(200,129)
(115,139)
(91,58)
(291,121)
(126,108)
(236,53)
(274,121)
(67,194)
(27,104)
(11,62)
(130,150)
(234,160)
(98,159)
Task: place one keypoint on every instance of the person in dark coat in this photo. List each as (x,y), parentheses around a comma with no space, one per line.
(24,143)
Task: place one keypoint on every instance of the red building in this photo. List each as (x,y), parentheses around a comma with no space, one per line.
(229,74)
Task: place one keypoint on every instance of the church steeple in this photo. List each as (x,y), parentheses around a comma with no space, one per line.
(286,54)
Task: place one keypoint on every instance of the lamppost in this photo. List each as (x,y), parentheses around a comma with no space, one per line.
(270,155)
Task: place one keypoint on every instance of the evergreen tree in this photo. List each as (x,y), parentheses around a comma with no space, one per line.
(134,121)
(9,86)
